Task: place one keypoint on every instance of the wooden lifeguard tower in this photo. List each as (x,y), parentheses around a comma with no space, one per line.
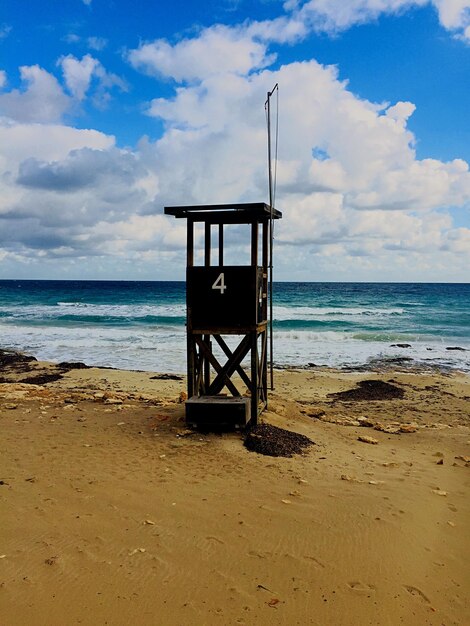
(227,300)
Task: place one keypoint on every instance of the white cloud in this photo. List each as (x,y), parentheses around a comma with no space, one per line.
(46,142)
(92,42)
(72,38)
(3,79)
(457,240)
(333,16)
(106,82)
(221,49)
(78,73)
(218,50)
(43,143)
(353,192)
(97,43)
(349,178)
(81,206)
(400,112)
(5,30)
(453,14)
(41,100)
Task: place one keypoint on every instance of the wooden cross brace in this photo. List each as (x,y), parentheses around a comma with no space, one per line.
(224,373)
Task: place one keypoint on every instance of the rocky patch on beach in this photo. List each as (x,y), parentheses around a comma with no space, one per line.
(393,427)
(10,357)
(22,368)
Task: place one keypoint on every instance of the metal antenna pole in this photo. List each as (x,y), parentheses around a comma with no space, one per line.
(271,235)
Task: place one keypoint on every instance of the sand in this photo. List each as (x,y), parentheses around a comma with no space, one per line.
(112,512)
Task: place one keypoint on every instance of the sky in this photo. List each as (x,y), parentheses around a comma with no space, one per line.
(111,110)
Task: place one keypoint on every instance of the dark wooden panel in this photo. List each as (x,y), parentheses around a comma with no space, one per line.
(223,297)
(218,411)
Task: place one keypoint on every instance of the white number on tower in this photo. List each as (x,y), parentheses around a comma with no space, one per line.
(219,283)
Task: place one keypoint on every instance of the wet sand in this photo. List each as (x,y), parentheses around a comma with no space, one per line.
(113,512)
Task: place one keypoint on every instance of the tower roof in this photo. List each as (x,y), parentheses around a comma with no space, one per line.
(225,213)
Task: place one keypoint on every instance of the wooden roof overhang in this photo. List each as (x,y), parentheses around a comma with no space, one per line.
(245,213)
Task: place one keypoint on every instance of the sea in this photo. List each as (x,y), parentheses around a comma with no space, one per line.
(140,325)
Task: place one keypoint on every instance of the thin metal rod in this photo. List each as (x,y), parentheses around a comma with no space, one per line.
(271,236)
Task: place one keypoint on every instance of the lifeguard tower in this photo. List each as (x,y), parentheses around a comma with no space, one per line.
(227,301)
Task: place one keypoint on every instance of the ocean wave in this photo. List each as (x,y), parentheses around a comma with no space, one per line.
(97,311)
(164,348)
(311,336)
(142,326)
(139,348)
(320,324)
(283,313)
(389,337)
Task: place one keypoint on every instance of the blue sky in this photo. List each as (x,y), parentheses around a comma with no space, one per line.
(110,110)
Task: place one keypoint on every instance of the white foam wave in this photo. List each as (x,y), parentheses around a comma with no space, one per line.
(129,311)
(146,349)
(281,313)
(164,349)
(339,349)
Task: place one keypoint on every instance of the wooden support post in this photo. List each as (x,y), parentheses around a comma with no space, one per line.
(264,351)
(254,378)
(207,244)
(191,347)
(199,386)
(254,244)
(191,364)
(190,243)
(263,366)
(207,365)
(221,244)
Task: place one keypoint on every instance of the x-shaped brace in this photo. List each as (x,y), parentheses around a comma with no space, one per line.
(225,372)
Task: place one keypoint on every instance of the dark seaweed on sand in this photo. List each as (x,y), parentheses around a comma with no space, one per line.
(166,377)
(274,441)
(72,365)
(41,379)
(370,390)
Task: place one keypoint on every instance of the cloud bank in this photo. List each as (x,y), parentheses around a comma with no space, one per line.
(353,192)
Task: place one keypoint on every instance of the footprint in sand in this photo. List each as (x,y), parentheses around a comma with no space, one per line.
(260,555)
(414,591)
(315,560)
(360,587)
(216,539)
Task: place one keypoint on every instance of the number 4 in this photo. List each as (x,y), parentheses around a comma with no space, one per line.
(219,283)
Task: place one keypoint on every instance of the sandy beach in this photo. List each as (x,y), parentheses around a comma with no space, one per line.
(113,512)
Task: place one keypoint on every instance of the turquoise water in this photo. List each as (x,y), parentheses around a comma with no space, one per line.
(141,325)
